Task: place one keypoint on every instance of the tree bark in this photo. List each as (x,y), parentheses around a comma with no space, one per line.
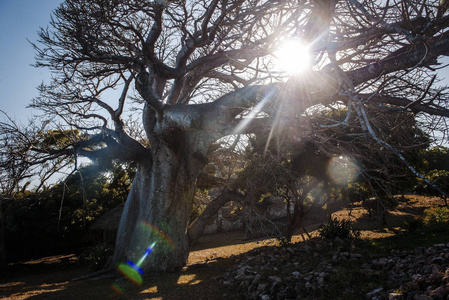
(158,210)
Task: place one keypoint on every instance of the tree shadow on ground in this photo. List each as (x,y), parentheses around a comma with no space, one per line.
(40,279)
(393,219)
(231,238)
(194,282)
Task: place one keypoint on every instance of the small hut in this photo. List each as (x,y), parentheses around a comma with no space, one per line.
(105,227)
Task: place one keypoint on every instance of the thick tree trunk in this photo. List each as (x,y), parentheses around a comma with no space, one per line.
(158,210)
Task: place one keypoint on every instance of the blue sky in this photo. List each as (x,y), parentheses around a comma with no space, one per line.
(20,20)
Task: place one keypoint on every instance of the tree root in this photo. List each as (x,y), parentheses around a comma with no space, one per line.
(102,274)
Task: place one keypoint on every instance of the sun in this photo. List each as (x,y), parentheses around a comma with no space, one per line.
(293,57)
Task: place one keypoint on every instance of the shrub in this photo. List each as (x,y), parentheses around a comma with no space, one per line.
(97,256)
(436,215)
(342,229)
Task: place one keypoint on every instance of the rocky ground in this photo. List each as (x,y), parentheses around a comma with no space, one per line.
(314,269)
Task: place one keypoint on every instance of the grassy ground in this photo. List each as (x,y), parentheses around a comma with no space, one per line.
(50,278)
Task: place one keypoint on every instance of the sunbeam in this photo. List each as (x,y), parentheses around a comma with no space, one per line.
(255,111)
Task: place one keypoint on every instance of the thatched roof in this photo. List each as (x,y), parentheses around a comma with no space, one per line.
(110,220)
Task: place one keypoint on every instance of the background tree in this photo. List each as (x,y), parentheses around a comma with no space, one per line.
(51,217)
(435,158)
(435,166)
(198,71)
(55,219)
(18,166)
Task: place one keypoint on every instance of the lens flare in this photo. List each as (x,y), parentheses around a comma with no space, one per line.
(159,232)
(117,288)
(258,108)
(145,255)
(133,271)
(134,266)
(343,170)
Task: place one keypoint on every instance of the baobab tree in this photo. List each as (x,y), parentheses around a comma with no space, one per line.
(194,72)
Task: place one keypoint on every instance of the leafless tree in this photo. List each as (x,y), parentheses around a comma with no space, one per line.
(198,71)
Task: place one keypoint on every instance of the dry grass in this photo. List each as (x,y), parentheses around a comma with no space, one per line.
(50,277)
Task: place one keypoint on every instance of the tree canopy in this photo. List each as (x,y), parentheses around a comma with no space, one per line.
(217,58)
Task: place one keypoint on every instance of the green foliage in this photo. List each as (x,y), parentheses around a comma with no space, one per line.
(96,257)
(436,215)
(342,229)
(56,219)
(438,177)
(58,139)
(436,158)
(435,167)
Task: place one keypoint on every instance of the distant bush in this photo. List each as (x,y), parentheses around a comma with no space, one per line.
(439,178)
(97,256)
(339,228)
(436,215)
